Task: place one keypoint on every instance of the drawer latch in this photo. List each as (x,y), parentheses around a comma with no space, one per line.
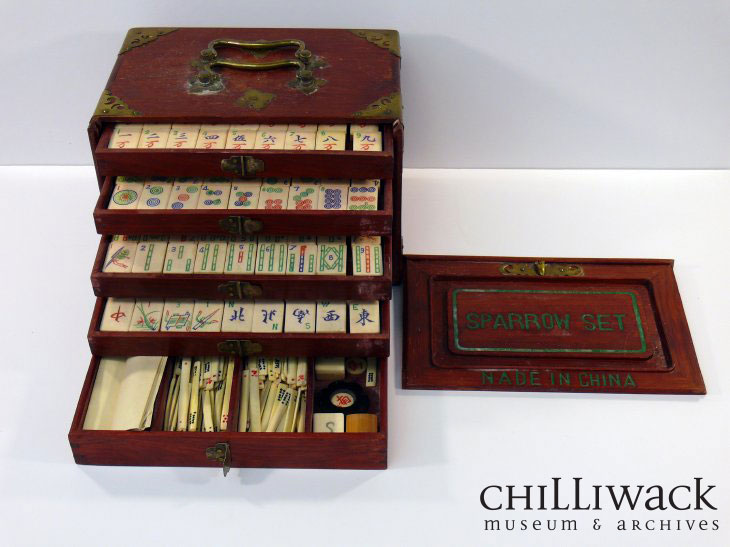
(238,290)
(221,452)
(240,225)
(240,347)
(243,166)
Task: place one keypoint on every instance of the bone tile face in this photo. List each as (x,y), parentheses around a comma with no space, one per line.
(147,316)
(363,195)
(364,317)
(155,195)
(154,135)
(211,257)
(270,138)
(183,136)
(303,195)
(117,315)
(329,422)
(241,255)
(207,316)
(331,316)
(333,195)
(268,316)
(367,259)
(177,316)
(302,259)
(331,137)
(244,195)
(300,317)
(363,128)
(212,137)
(120,254)
(126,135)
(241,137)
(271,257)
(237,316)
(274,195)
(180,256)
(300,138)
(214,195)
(125,195)
(149,257)
(331,256)
(184,194)
(367,142)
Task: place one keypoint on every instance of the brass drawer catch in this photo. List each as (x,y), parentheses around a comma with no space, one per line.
(221,452)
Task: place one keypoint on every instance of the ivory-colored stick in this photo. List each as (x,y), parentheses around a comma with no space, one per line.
(168,406)
(183,404)
(301,372)
(254,413)
(283,398)
(264,396)
(194,397)
(302,418)
(225,411)
(219,395)
(208,426)
(270,401)
(243,405)
(291,373)
(291,412)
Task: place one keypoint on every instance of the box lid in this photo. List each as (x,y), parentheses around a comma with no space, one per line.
(527,324)
(318,75)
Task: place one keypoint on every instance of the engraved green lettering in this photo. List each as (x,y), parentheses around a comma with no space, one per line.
(629,381)
(547,321)
(583,379)
(499,322)
(531,318)
(520,378)
(620,320)
(564,323)
(614,380)
(487,377)
(535,378)
(603,324)
(517,318)
(485,318)
(588,321)
(472,321)
(564,378)
(504,379)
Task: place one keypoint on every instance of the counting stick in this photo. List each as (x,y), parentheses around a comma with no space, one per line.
(277,367)
(219,395)
(170,393)
(243,412)
(194,397)
(183,404)
(301,379)
(301,426)
(227,396)
(208,425)
(264,395)
(254,414)
(263,369)
(271,399)
(172,419)
(291,373)
(291,412)
(283,397)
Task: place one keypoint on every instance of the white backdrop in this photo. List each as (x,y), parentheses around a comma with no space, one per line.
(495,83)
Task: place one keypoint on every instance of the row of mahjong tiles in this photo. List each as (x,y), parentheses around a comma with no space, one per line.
(270,255)
(297,194)
(364,137)
(260,316)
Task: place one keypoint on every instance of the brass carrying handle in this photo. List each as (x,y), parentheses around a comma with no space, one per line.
(208,80)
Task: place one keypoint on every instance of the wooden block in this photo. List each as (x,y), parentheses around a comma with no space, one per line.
(212,137)
(331,316)
(147,316)
(363,195)
(361,423)
(241,255)
(371,374)
(271,255)
(242,137)
(117,315)
(364,317)
(244,195)
(211,257)
(177,316)
(125,194)
(237,316)
(268,316)
(154,135)
(207,316)
(270,137)
(126,135)
(300,137)
(214,194)
(332,255)
(367,259)
(367,142)
(155,194)
(333,195)
(329,369)
(120,254)
(180,256)
(274,194)
(300,316)
(149,256)
(183,135)
(303,194)
(184,194)
(329,422)
(302,259)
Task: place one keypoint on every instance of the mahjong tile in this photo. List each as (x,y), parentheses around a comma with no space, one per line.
(366,240)
(177,316)
(147,316)
(125,195)
(328,422)
(241,255)
(155,195)
(183,135)
(331,137)
(268,316)
(149,257)
(331,255)
(271,255)
(302,258)
(180,256)
(367,259)
(212,137)
(244,195)
(126,135)
(270,137)
(207,316)
(371,373)
(120,254)
(302,127)
(363,128)
(363,195)
(331,316)
(211,257)
(117,314)
(333,195)
(154,135)
(184,194)
(367,142)
(364,317)
(214,195)
(242,137)
(303,195)
(300,137)
(274,195)
(237,316)
(300,316)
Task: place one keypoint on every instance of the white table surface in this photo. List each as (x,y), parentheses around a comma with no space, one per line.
(444,447)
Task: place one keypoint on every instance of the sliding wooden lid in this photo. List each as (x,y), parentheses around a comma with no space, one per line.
(508,324)
(254,75)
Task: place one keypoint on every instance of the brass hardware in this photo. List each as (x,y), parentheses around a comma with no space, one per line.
(255,99)
(238,290)
(541,268)
(208,80)
(240,225)
(386,107)
(221,452)
(109,105)
(140,36)
(241,348)
(243,166)
(387,39)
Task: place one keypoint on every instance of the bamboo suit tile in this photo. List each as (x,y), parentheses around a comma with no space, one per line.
(274,194)
(149,257)
(268,316)
(126,194)
(212,137)
(183,136)
(241,255)
(270,137)
(364,317)
(180,256)
(367,259)
(302,258)
(271,256)
(147,316)
(214,195)
(154,135)
(155,195)
(120,254)
(126,135)
(333,195)
(331,316)
(211,257)
(300,316)
(117,315)
(363,195)
(184,194)
(237,316)
(242,137)
(177,316)
(332,255)
(303,195)
(207,316)
(244,195)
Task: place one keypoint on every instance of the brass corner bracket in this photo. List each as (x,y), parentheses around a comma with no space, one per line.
(110,105)
(541,268)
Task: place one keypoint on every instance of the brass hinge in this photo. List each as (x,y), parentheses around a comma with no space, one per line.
(240,347)
(243,166)
(541,268)
(221,452)
(238,290)
(240,225)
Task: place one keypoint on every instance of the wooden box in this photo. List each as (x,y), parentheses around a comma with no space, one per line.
(216,76)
